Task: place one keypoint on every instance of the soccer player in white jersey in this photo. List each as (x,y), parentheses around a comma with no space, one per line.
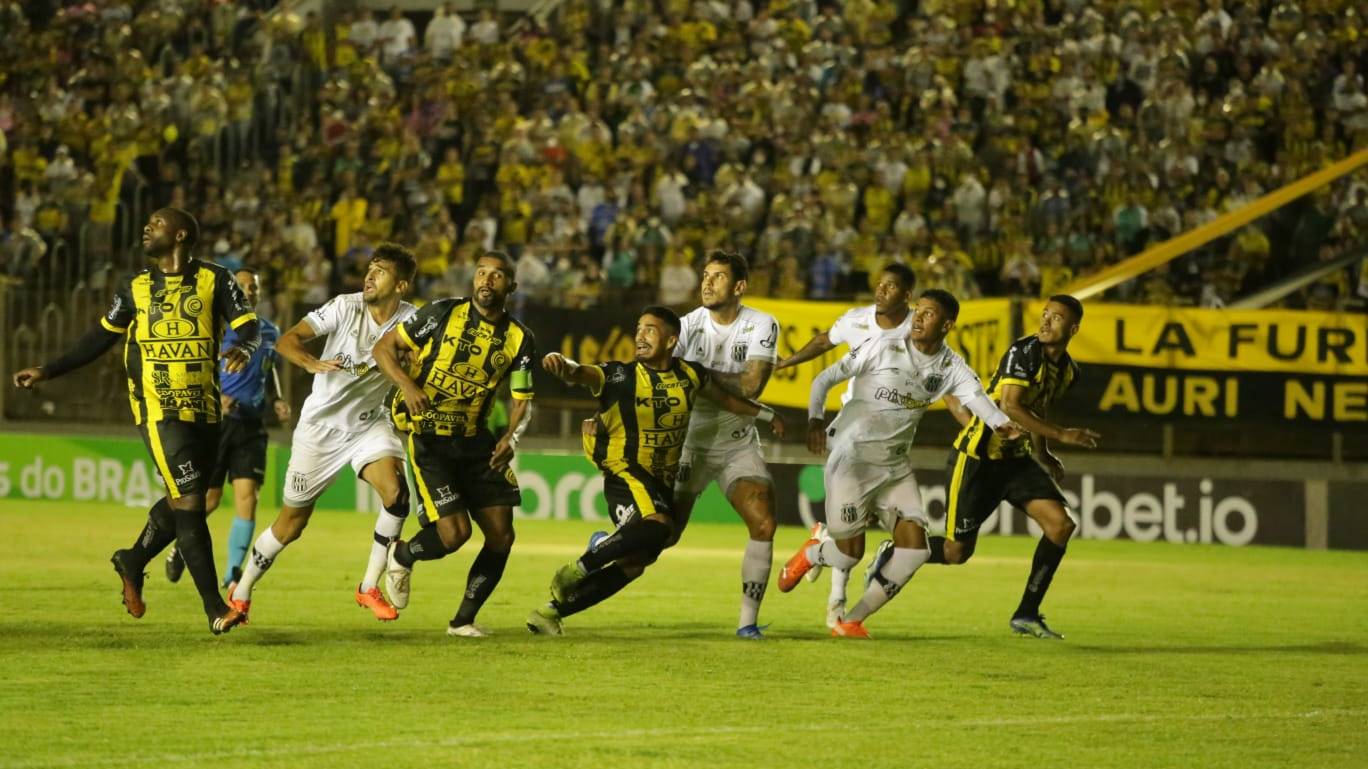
(344,422)
(889,317)
(893,382)
(738,345)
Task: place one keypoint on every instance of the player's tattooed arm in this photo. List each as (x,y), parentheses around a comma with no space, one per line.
(749,383)
(746,407)
(386,354)
(817,346)
(291,348)
(1013,406)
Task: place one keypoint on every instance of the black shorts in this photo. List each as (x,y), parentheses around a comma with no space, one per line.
(631,494)
(241,452)
(183,453)
(453,475)
(978,486)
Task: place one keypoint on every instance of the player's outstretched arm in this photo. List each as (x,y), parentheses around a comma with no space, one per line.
(831,376)
(1036,425)
(386,354)
(818,345)
(90,346)
(748,383)
(570,372)
(291,348)
(745,407)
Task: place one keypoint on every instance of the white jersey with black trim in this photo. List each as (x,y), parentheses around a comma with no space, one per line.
(859,325)
(754,335)
(892,384)
(351,398)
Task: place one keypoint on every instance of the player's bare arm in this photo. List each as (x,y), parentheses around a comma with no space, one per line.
(817,346)
(291,348)
(1014,408)
(386,353)
(745,407)
(747,384)
(570,372)
(518,417)
(92,345)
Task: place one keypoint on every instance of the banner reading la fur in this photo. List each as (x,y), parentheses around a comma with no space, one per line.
(982,334)
(1257,364)
(1144,509)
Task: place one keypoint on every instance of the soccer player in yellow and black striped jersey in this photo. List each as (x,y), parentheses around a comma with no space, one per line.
(172,315)
(462,351)
(986,469)
(636,441)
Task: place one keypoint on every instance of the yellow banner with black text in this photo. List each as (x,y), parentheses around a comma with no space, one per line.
(1253,364)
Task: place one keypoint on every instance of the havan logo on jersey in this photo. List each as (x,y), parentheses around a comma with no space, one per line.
(456,385)
(175,350)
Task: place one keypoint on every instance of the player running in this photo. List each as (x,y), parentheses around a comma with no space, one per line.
(636,441)
(890,317)
(343,422)
(987,467)
(463,351)
(737,344)
(893,382)
(241,457)
(172,315)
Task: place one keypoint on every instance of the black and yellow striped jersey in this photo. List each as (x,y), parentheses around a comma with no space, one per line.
(460,360)
(1025,365)
(644,415)
(172,326)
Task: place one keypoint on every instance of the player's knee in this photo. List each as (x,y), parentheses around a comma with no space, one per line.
(958,553)
(398,505)
(500,541)
(453,534)
(762,530)
(632,568)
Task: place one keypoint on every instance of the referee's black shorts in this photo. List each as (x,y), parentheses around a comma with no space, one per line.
(241,451)
(183,453)
(978,486)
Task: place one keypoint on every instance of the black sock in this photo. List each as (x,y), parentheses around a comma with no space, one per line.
(594,589)
(1043,566)
(157,533)
(196,546)
(937,545)
(640,537)
(485,574)
(426,545)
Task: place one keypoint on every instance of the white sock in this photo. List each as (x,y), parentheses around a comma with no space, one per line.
(755,573)
(827,554)
(387,528)
(839,579)
(900,567)
(263,554)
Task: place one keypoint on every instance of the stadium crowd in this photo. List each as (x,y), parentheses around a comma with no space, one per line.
(996,147)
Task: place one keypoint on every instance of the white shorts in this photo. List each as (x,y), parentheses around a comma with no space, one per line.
(699,468)
(857,491)
(318,454)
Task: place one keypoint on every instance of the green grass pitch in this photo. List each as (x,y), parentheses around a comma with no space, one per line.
(1176,657)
